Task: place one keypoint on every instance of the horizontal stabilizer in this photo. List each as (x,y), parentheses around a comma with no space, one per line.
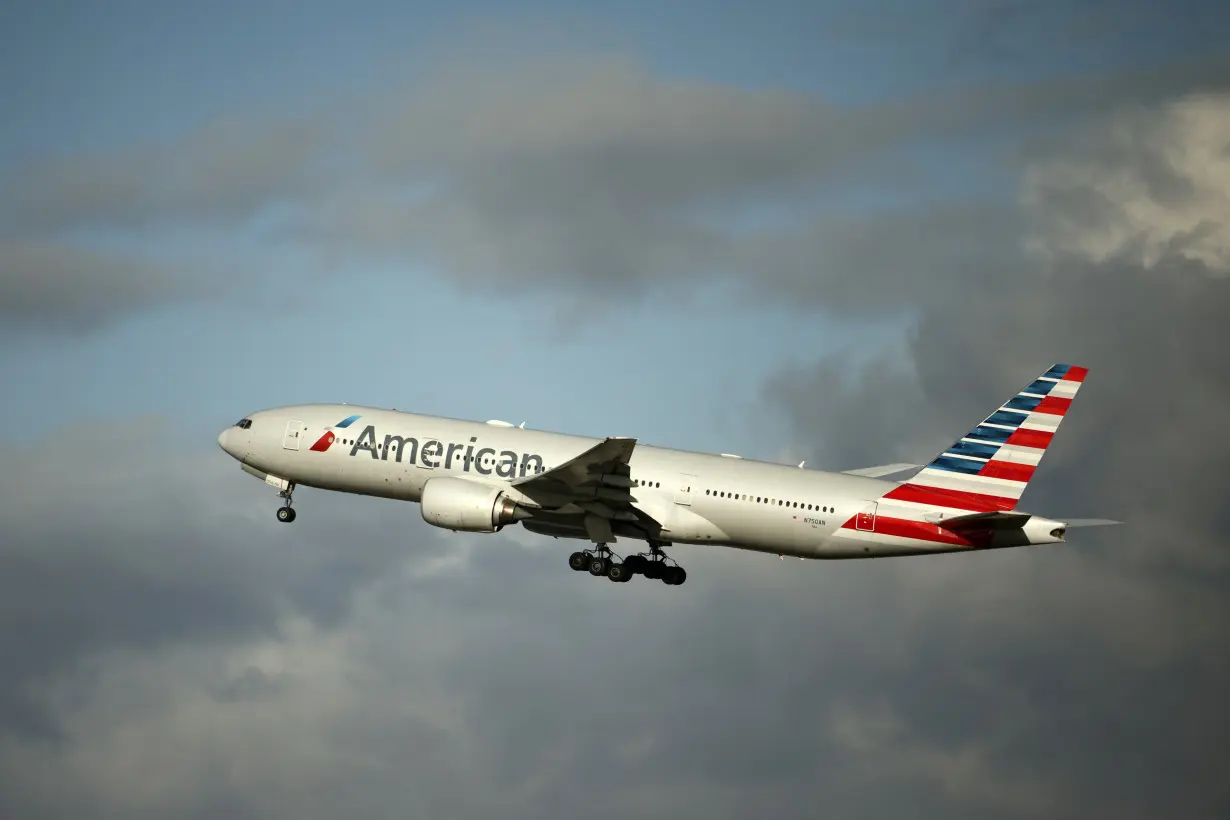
(883,469)
(1005,521)
(985,521)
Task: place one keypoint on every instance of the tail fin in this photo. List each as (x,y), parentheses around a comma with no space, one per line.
(988,468)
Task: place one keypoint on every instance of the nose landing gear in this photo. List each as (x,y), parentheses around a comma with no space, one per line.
(286,514)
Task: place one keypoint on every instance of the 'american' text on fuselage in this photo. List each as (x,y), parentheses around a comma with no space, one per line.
(483,461)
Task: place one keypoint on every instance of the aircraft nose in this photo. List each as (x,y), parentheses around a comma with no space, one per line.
(224,441)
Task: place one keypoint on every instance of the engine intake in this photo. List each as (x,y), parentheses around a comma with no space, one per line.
(461,505)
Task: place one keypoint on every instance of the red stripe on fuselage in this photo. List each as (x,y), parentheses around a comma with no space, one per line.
(1007,469)
(922,531)
(1030,438)
(954,499)
(1053,405)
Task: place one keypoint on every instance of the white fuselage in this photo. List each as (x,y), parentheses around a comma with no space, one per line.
(698,498)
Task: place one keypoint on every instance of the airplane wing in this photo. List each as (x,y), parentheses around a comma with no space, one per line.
(596,485)
(883,469)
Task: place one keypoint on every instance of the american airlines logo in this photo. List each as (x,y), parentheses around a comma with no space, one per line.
(432,453)
(326,441)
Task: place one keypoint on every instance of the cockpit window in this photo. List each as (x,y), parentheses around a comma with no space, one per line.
(243,424)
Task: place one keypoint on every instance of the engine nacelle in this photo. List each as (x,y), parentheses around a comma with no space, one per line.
(458,504)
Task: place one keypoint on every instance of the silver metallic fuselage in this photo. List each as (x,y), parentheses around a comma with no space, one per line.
(698,498)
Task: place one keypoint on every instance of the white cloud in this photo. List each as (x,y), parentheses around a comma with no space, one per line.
(1141,186)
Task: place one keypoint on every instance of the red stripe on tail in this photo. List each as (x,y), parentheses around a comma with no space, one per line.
(1007,469)
(1076,374)
(1053,405)
(1030,438)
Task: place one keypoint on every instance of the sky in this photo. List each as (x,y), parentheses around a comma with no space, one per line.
(832,232)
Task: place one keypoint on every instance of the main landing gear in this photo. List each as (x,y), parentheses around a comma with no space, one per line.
(653,566)
(286,514)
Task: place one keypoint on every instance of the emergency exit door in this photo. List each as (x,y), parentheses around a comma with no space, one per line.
(683,489)
(865,520)
(294,432)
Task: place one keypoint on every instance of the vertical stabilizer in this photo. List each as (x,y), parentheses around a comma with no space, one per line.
(989,467)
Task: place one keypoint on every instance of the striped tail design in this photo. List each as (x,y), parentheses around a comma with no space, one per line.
(990,466)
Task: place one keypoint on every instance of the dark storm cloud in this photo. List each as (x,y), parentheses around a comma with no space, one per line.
(191,655)
(106,545)
(1125,625)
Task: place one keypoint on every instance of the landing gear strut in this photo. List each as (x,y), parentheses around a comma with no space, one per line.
(654,566)
(286,513)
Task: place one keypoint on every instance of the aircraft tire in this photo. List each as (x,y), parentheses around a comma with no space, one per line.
(620,573)
(673,576)
(636,564)
(653,570)
(579,561)
(286,515)
(599,566)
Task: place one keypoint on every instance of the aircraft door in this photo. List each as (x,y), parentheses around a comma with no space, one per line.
(865,520)
(683,489)
(294,432)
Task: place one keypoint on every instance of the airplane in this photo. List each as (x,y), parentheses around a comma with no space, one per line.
(470,476)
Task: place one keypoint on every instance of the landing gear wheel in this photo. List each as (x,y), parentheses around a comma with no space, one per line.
(286,515)
(636,563)
(653,570)
(619,573)
(579,561)
(599,566)
(673,576)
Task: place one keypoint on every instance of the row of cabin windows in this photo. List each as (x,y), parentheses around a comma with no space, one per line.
(737,497)
(778,501)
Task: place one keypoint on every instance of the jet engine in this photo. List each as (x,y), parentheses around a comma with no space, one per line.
(458,504)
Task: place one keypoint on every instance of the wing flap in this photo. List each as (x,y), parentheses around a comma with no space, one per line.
(595,486)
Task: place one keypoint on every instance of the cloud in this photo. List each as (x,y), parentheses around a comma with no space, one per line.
(585,175)
(229,169)
(1125,273)
(1146,188)
(172,650)
(78,288)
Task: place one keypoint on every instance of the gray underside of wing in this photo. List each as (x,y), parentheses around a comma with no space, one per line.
(594,487)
